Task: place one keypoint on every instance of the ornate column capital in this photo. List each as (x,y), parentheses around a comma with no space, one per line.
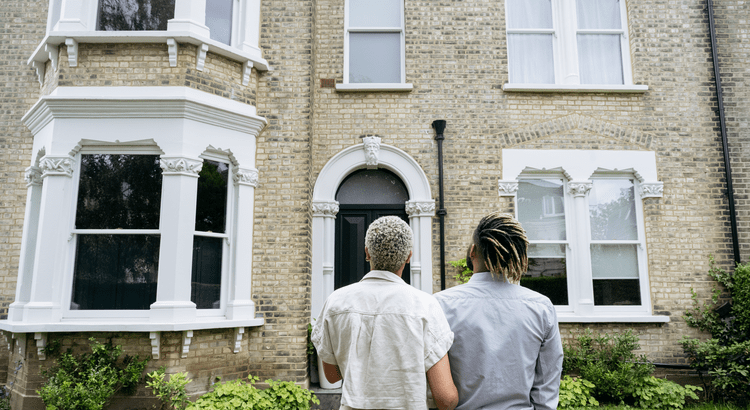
(246,176)
(325,208)
(652,189)
(507,188)
(580,188)
(420,208)
(180,166)
(33,176)
(371,145)
(57,165)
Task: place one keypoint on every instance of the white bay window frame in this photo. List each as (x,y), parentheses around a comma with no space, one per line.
(578,169)
(564,34)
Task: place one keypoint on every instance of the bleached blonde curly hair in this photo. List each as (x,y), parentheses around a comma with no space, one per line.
(389,241)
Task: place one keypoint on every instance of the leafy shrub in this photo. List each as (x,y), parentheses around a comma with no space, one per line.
(609,363)
(172,391)
(654,393)
(576,392)
(88,381)
(725,358)
(464,272)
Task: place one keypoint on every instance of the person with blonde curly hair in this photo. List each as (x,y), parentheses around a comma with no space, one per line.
(507,352)
(387,340)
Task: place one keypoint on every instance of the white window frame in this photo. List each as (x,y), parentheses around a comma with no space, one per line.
(578,168)
(400,86)
(565,52)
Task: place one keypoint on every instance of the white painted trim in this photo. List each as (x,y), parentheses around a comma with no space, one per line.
(570,318)
(102,325)
(325,208)
(363,87)
(575,88)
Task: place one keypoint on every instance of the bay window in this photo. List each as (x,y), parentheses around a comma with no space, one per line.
(134,15)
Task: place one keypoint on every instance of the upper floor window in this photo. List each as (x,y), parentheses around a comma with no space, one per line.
(374,42)
(220,19)
(134,15)
(568,42)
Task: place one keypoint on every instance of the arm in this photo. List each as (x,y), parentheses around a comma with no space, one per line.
(441,384)
(332,372)
(546,388)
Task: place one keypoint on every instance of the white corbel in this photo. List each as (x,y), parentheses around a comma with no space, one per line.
(7,338)
(238,332)
(20,340)
(53,53)
(172,50)
(39,68)
(155,344)
(247,69)
(201,57)
(41,343)
(187,337)
(72,52)
(653,189)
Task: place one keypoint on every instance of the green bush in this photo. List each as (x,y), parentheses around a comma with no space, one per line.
(653,393)
(88,381)
(464,273)
(171,391)
(576,392)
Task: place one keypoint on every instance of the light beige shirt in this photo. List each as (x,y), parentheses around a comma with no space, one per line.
(384,335)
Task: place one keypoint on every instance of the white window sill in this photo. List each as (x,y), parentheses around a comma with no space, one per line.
(365,87)
(127,325)
(57,38)
(574,88)
(634,318)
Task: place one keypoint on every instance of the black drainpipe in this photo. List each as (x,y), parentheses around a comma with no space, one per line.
(439,126)
(724,143)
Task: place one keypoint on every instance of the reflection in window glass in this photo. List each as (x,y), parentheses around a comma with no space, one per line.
(206,277)
(612,210)
(134,15)
(372,186)
(119,192)
(219,19)
(375,57)
(211,207)
(547,272)
(541,208)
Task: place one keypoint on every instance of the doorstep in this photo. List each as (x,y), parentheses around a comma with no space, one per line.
(330,399)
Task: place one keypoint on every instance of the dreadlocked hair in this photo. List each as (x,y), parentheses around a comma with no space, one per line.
(502,245)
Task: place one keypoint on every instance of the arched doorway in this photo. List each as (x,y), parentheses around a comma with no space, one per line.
(363,197)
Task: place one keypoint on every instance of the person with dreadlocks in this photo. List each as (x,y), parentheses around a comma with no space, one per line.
(506,352)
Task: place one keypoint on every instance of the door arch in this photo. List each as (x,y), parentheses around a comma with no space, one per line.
(420,208)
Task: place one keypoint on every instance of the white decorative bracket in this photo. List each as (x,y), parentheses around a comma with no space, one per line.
(53,53)
(39,67)
(187,336)
(72,52)
(247,69)
(8,338)
(246,176)
(325,208)
(653,189)
(238,332)
(580,188)
(371,145)
(172,50)
(201,57)
(507,188)
(155,344)
(20,340)
(41,343)
(414,208)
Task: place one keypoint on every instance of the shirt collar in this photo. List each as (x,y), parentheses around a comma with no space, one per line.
(485,277)
(384,275)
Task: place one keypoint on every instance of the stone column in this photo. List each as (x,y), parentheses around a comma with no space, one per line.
(584,283)
(240,302)
(177,226)
(420,219)
(323,243)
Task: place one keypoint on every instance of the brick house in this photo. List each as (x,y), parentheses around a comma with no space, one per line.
(262,136)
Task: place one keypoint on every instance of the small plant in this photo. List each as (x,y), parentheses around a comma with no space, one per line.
(4,398)
(241,395)
(654,393)
(171,391)
(312,353)
(88,381)
(464,273)
(576,392)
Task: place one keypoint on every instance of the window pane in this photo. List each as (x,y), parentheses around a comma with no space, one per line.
(612,210)
(219,19)
(614,261)
(598,14)
(138,15)
(211,207)
(530,59)
(376,186)
(119,192)
(206,282)
(620,292)
(115,272)
(375,57)
(547,272)
(541,208)
(374,13)
(600,58)
(529,14)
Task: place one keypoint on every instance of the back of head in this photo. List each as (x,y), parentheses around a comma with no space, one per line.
(502,245)
(389,242)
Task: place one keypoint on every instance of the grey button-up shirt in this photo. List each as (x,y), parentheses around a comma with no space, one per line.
(507,352)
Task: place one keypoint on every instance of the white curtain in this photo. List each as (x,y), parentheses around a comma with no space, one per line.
(530,59)
(600,59)
(374,13)
(529,14)
(598,14)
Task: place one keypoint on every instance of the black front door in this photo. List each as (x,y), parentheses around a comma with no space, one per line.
(351,225)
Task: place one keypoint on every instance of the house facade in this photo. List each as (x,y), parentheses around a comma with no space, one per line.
(191,178)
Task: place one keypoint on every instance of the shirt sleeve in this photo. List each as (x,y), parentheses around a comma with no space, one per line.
(546,388)
(438,335)
(320,338)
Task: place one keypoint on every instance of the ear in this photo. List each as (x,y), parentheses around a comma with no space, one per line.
(472,251)
(407,259)
(367,254)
